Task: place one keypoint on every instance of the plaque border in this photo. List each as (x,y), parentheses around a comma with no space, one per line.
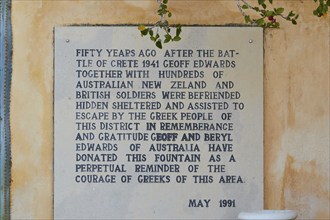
(234,25)
(5,85)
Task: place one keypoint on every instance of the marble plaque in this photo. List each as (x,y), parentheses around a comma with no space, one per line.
(148,133)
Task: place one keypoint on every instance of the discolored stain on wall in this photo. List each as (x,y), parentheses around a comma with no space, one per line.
(309,196)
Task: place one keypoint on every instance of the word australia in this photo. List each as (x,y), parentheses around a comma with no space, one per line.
(99,84)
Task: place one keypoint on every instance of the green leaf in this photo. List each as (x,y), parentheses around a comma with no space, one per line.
(271,1)
(245,7)
(178,30)
(145,31)
(141,27)
(176,38)
(167,40)
(159,44)
(169,14)
(168,37)
(151,33)
(165,1)
(260,22)
(247,19)
(279,10)
(269,13)
(269,24)
(325,9)
(264,6)
(260,2)
(166,23)
(276,25)
(319,11)
(294,22)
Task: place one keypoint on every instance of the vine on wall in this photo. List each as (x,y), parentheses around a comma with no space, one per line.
(260,14)
(162,24)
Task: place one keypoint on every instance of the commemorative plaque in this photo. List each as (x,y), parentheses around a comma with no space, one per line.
(148,133)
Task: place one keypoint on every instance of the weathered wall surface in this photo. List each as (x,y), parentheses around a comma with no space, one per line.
(296,102)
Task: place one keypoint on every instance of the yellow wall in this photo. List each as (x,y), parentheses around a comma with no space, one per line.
(296,101)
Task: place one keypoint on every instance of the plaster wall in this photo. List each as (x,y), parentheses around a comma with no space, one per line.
(296,97)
